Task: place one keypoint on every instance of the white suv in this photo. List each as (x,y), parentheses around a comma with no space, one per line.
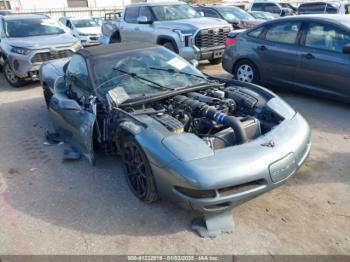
(87,30)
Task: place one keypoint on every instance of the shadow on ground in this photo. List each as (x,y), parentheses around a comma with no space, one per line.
(74,194)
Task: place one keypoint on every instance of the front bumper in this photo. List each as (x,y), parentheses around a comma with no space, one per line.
(90,40)
(239,173)
(211,53)
(23,66)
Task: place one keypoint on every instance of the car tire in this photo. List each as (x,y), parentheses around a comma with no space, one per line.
(169,46)
(11,77)
(138,171)
(246,71)
(215,61)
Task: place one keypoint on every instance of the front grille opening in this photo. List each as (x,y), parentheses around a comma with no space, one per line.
(218,206)
(226,191)
(47,56)
(207,38)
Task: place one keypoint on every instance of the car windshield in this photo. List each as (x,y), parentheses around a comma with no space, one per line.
(233,13)
(144,72)
(174,12)
(32,27)
(82,23)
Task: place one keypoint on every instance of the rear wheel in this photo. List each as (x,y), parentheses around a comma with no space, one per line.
(215,61)
(246,71)
(138,171)
(11,77)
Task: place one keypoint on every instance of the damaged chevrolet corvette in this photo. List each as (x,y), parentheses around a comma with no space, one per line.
(205,143)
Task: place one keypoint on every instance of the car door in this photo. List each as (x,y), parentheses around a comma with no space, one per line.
(144,32)
(322,64)
(73,117)
(277,51)
(128,30)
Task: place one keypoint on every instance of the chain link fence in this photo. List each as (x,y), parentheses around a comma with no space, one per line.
(72,12)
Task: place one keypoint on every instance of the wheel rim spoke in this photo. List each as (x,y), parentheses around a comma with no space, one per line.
(136,169)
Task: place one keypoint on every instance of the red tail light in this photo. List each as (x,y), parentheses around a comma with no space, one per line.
(229,41)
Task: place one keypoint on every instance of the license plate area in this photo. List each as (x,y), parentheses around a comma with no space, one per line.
(218,53)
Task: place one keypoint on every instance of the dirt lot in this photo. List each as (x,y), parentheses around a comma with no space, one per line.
(48,206)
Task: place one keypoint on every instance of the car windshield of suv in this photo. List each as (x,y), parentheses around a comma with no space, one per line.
(233,13)
(174,12)
(82,23)
(144,72)
(31,27)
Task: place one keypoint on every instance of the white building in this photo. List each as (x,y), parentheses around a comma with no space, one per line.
(59,4)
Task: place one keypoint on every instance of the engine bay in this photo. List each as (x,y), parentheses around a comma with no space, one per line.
(221,116)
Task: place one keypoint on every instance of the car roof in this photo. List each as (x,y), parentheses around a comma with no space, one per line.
(157,3)
(315,3)
(24,16)
(324,17)
(116,48)
(216,6)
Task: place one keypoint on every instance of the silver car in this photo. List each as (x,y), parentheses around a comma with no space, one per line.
(205,143)
(29,40)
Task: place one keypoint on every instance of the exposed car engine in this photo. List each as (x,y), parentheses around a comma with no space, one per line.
(221,117)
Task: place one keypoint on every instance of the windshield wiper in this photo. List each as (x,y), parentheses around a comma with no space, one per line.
(171,70)
(155,84)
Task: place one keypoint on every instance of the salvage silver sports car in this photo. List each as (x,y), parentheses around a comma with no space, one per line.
(205,143)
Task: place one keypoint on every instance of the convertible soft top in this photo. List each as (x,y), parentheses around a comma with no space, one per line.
(102,50)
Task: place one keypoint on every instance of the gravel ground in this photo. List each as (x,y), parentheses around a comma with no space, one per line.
(48,206)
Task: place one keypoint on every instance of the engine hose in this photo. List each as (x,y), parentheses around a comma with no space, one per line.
(203,110)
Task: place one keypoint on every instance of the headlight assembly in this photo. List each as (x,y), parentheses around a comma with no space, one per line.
(182,35)
(20,50)
(76,45)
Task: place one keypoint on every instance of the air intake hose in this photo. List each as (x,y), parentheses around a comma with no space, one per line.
(199,109)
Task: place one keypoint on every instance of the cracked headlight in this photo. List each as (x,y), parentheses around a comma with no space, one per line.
(20,50)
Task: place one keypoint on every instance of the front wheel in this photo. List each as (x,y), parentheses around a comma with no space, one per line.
(138,171)
(246,71)
(215,61)
(11,77)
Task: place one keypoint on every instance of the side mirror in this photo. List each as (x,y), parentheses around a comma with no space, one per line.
(201,13)
(65,67)
(144,20)
(283,12)
(346,49)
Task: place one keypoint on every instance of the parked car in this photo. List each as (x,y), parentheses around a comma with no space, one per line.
(29,40)
(237,17)
(5,12)
(263,15)
(207,144)
(175,25)
(318,8)
(85,29)
(310,53)
(344,9)
(98,20)
(270,7)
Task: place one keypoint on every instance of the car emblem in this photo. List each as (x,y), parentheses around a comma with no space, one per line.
(270,143)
